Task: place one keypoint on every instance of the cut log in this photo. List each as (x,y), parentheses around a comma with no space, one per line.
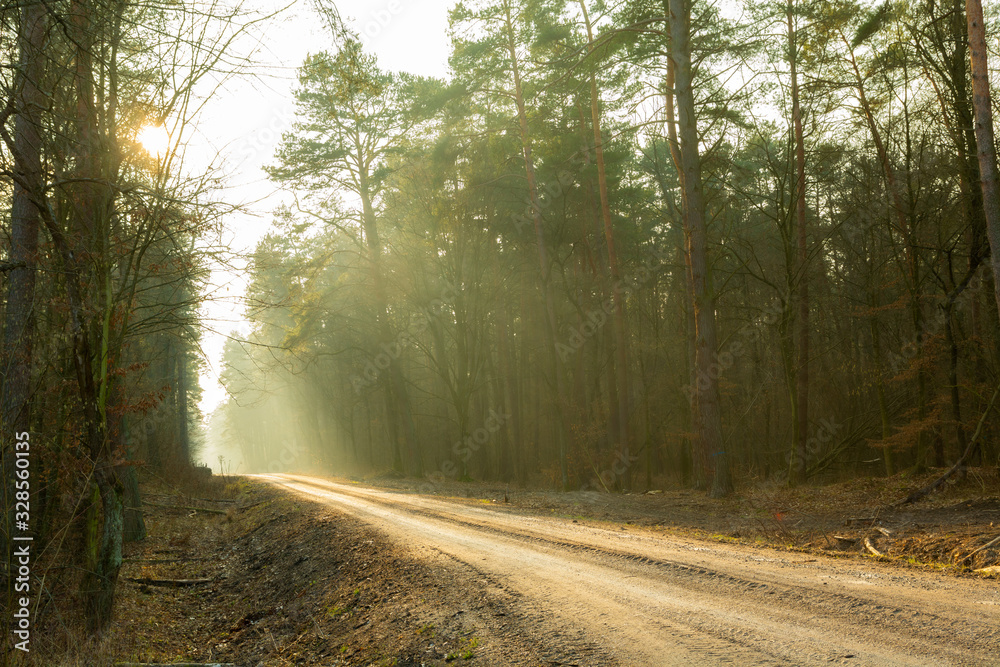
(246,507)
(989,544)
(871,548)
(960,463)
(155,561)
(182,507)
(175,664)
(172,583)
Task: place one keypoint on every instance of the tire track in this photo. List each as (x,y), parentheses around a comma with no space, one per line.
(702,613)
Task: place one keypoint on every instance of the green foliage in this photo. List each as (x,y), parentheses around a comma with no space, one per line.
(874,21)
(410,257)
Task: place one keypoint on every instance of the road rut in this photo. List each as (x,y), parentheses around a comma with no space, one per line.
(630,597)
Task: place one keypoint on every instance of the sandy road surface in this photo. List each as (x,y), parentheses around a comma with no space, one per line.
(633,598)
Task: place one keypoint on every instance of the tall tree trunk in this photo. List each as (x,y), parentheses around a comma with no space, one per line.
(100,583)
(965,143)
(134,525)
(697,450)
(612,428)
(900,212)
(19,317)
(620,327)
(564,433)
(507,394)
(399,414)
(985,141)
(183,438)
(802,371)
(706,387)
(883,406)
(91,317)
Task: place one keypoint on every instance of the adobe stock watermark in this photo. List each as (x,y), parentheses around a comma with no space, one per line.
(929,327)
(596,318)
(261,141)
(289,454)
(814,446)
(726,359)
(608,477)
(379,20)
(21,540)
(549,191)
(420,321)
(463,450)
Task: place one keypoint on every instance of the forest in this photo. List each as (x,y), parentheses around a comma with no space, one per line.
(749,243)
(622,245)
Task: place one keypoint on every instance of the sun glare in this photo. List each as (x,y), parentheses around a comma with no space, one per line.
(154,139)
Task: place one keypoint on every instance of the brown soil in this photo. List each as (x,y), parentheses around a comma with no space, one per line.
(294,582)
(607,594)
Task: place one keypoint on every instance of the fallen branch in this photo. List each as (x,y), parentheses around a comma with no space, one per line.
(181,495)
(871,548)
(182,507)
(884,531)
(175,664)
(246,507)
(970,450)
(989,544)
(170,583)
(151,561)
(845,539)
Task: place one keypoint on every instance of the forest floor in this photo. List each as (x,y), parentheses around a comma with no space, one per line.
(292,581)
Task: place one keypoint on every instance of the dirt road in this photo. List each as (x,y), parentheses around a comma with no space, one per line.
(611,595)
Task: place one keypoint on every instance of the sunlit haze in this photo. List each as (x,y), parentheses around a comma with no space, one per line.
(246,118)
(582,332)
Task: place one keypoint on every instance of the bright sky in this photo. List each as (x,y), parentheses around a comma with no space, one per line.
(245,121)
